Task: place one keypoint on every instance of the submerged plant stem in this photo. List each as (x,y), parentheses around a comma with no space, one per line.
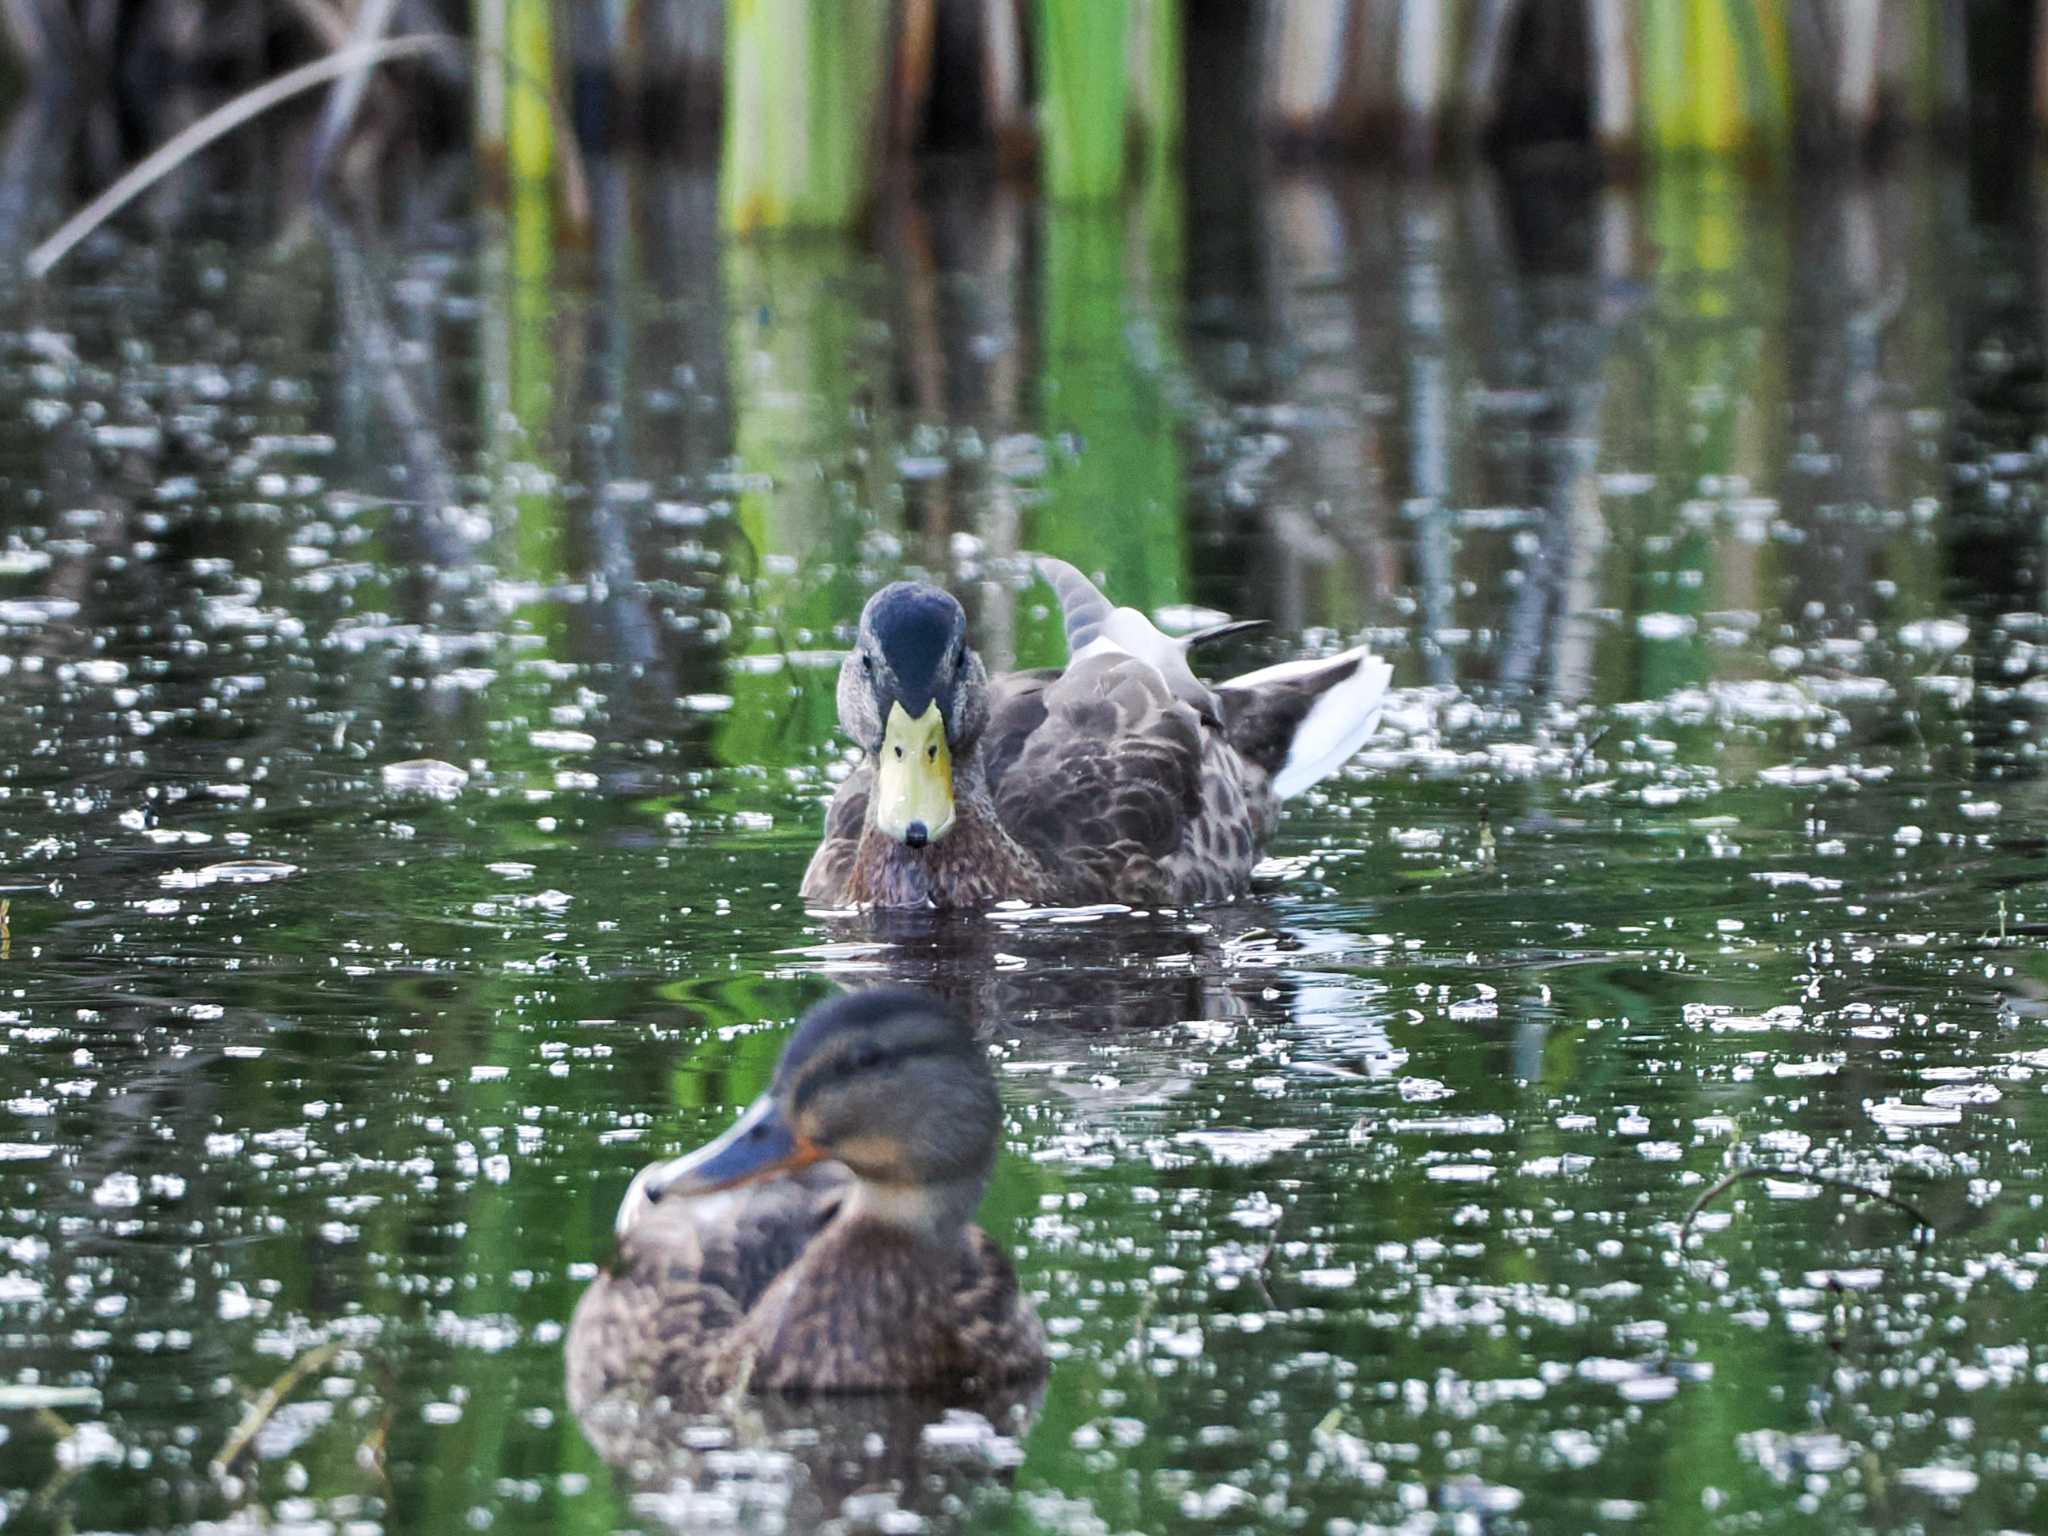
(273,1398)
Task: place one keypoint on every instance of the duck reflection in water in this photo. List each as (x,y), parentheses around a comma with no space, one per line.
(1048,988)
(817,1268)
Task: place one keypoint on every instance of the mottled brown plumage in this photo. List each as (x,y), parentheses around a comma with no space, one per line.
(825,1244)
(1121,777)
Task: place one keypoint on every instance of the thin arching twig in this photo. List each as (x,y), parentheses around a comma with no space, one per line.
(226,118)
(216,124)
(1728,1180)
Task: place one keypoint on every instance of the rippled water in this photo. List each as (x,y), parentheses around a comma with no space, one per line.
(414,717)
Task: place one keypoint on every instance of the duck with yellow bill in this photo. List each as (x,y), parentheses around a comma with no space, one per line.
(1120,777)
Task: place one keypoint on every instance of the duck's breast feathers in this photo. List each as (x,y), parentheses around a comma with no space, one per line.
(868,1312)
(831,866)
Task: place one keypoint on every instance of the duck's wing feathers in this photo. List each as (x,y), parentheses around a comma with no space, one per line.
(1298,722)
(1102,778)
(1016,709)
(1001,1339)
(1082,605)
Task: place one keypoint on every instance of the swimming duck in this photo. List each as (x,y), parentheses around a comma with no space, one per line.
(1121,777)
(826,1242)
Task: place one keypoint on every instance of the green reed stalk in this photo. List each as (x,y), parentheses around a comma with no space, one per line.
(529,113)
(803,91)
(1666,118)
(1082,58)
(1115,503)
(1763,65)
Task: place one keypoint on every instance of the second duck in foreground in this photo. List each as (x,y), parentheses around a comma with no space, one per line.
(1120,777)
(826,1243)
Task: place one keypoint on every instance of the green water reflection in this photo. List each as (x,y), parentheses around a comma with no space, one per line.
(1701,524)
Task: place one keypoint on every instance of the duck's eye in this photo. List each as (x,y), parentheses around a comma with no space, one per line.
(867,663)
(899,751)
(931,753)
(960,656)
(860,1058)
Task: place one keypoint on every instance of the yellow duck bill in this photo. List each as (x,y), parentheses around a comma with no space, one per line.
(914,777)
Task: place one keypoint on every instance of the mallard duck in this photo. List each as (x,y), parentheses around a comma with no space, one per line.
(1121,777)
(826,1242)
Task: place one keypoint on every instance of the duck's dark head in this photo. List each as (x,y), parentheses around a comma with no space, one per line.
(915,696)
(884,1081)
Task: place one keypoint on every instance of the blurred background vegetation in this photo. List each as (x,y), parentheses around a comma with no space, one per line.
(811,106)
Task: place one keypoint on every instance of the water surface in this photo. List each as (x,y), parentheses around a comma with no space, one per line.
(416,646)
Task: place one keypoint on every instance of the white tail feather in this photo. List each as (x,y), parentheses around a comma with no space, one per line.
(1336,725)
(1129,631)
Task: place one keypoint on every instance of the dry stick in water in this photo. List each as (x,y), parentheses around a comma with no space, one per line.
(273,1398)
(1728,1180)
(61,1475)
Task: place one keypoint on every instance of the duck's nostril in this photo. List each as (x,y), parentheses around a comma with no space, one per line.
(917,834)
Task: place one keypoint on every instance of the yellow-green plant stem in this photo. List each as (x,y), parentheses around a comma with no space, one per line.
(803,87)
(797,405)
(1116,497)
(530,67)
(1157,110)
(1716,76)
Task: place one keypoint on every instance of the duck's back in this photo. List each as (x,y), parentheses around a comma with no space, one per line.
(1120,787)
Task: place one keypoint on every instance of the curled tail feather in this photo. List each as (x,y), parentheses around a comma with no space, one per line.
(1300,721)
